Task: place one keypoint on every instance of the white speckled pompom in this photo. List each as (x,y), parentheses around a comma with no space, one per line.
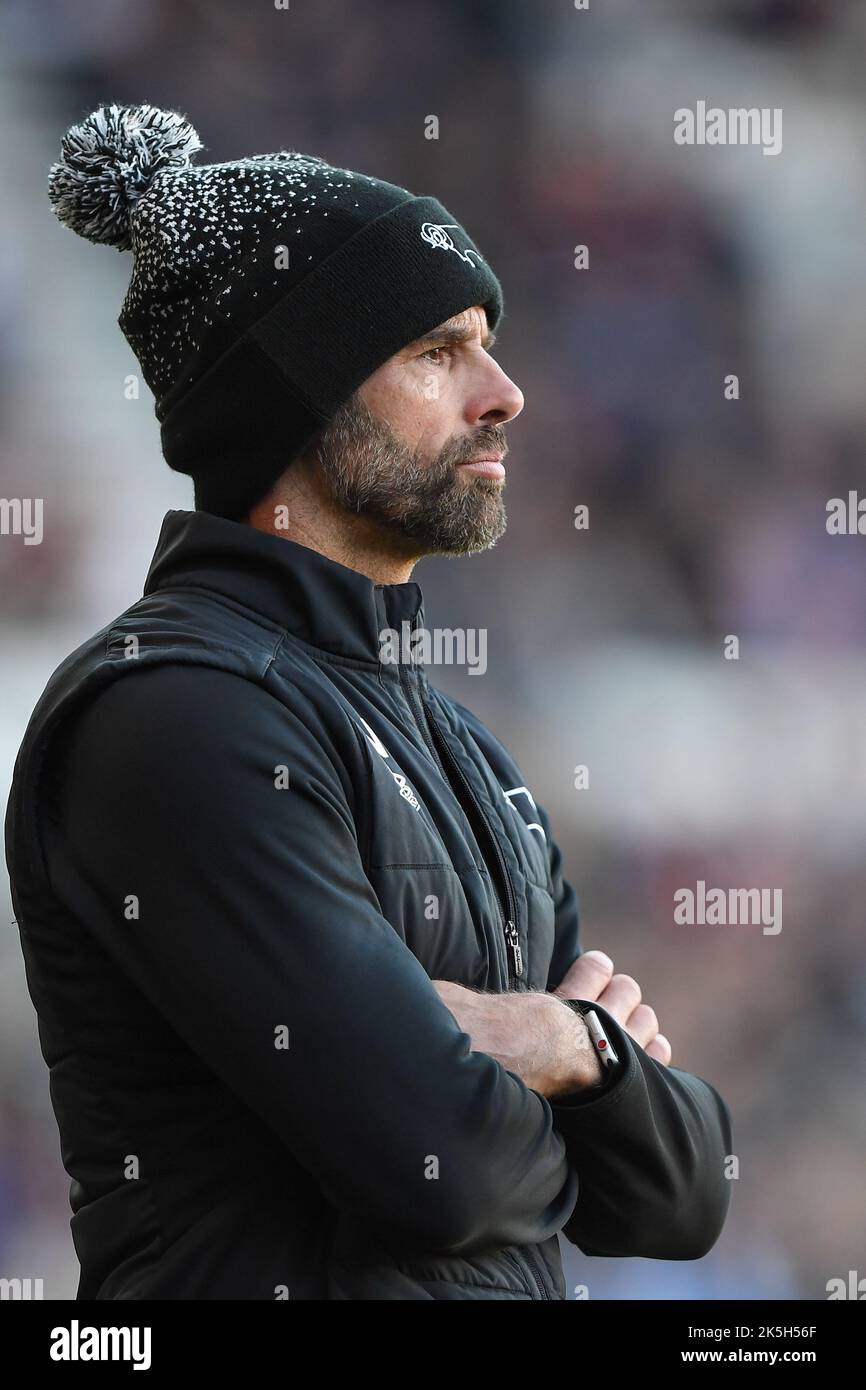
(108,161)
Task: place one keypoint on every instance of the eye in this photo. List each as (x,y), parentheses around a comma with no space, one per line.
(432,350)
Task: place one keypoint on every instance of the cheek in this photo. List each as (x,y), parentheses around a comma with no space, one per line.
(430,436)
(422,415)
(418,405)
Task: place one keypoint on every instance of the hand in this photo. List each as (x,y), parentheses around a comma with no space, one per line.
(591,977)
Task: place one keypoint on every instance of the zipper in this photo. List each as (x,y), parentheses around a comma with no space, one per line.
(530,1260)
(434,741)
(416,704)
(506,896)
(528,1271)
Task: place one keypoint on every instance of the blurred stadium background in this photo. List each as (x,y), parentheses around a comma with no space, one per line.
(707,516)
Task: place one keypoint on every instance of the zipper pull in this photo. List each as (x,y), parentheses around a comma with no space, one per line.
(514,943)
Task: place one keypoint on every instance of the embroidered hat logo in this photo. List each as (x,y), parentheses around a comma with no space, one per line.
(436,235)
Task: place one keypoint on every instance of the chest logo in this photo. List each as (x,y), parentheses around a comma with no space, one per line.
(524,791)
(404,788)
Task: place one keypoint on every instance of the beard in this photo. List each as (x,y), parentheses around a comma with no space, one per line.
(424,506)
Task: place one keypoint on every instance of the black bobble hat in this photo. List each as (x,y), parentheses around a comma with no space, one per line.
(264,291)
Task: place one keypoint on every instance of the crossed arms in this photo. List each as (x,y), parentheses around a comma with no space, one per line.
(256,915)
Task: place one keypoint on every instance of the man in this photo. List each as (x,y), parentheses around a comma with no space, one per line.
(295,928)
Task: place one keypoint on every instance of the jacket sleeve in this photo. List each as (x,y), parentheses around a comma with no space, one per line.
(240,908)
(650,1149)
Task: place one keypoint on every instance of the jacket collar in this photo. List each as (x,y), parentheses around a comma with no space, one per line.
(326,604)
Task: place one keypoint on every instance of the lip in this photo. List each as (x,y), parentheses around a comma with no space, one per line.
(490,467)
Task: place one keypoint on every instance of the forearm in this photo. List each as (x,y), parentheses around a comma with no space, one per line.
(532,1034)
(648,1148)
(650,1157)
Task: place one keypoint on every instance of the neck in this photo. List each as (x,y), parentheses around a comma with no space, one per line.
(299,509)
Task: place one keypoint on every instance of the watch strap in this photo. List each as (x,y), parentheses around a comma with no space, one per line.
(602,1044)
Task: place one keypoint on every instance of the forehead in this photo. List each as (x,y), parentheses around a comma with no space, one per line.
(467,326)
(474,317)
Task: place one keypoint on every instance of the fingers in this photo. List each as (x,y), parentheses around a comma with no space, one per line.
(660,1049)
(586,977)
(621,997)
(591,977)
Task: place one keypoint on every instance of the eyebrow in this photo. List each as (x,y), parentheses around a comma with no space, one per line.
(454,334)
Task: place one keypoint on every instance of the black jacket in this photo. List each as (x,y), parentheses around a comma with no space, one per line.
(240,849)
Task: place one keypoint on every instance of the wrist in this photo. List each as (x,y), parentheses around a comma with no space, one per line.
(582,1068)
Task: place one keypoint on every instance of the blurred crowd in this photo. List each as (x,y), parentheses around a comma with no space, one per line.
(607,644)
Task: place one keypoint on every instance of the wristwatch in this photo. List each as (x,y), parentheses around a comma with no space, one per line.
(602,1044)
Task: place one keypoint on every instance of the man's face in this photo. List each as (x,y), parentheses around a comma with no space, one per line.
(402,451)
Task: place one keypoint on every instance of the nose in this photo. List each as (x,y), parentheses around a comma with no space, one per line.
(501,399)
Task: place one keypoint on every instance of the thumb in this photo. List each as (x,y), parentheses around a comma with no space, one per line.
(587,977)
